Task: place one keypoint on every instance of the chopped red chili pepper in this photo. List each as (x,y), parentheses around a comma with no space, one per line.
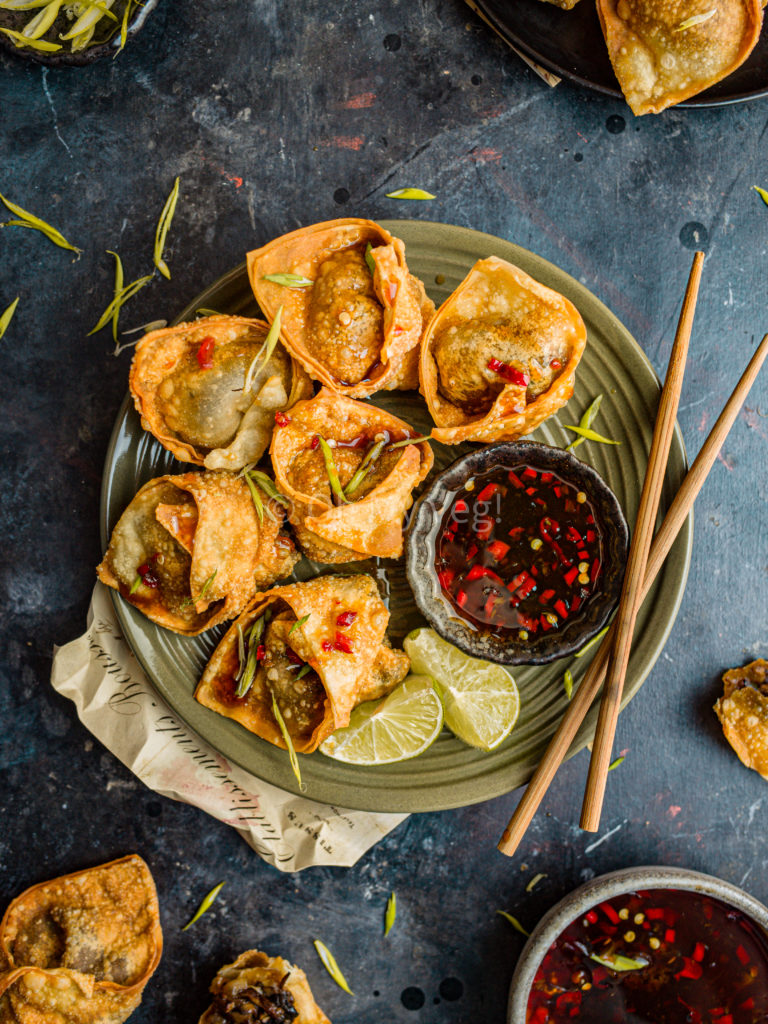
(699,952)
(655,913)
(261,650)
(555,364)
(669,935)
(560,608)
(690,970)
(545,596)
(205,353)
(743,955)
(508,373)
(345,619)
(610,913)
(281,419)
(488,492)
(293,657)
(478,572)
(748,1004)
(342,643)
(498,549)
(460,506)
(515,532)
(314,444)
(530,491)
(461,598)
(591,916)
(445,576)
(571,575)
(484,528)
(327,646)
(515,480)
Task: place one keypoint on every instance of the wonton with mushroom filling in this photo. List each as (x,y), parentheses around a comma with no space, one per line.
(377,479)
(188,385)
(258,989)
(353,326)
(80,949)
(743,713)
(318,648)
(499,356)
(191,550)
(664,51)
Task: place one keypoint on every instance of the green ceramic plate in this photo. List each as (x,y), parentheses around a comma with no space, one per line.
(449,774)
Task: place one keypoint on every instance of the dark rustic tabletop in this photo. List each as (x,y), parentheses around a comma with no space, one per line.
(275,116)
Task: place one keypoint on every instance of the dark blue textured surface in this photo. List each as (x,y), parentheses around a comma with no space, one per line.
(280,115)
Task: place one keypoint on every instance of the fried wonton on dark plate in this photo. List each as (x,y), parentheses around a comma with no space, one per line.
(80,949)
(664,51)
(189,386)
(356,324)
(499,356)
(258,988)
(317,648)
(191,550)
(743,713)
(377,479)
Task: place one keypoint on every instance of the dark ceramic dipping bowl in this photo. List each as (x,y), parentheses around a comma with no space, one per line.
(503,645)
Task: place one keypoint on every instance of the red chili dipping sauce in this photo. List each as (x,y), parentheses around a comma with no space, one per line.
(519,552)
(664,956)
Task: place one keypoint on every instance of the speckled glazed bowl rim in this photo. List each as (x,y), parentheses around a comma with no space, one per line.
(605,887)
(425,522)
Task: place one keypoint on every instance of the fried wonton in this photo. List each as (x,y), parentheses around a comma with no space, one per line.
(499,356)
(743,713)
(336,625)
(81,948)
(188,385)
(355,330)
(191,551)
(664,51)
(369,522)
(259,989)
(567,5)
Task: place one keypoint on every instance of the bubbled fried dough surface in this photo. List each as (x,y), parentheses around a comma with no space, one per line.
(743,713)
(345,317)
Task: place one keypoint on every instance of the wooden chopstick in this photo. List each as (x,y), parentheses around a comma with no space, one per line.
(589,688)
(629,603)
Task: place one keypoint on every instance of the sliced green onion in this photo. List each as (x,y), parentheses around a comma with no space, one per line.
(241,656)
(119,284)
(207,903)
(534,882)
(268,487)
(153,325)
(329,962)
(410,193)
(364,468)
(246,676)
(135,586)
(592,642)
(26,219)
(203,591)
(257,502)
(619,963)
(41,22)
(263,355)
(124,27)
(22,5)
(696,19)
(408,440)
(34,44)
(330,468)
(586,421)
(289,280)
(303,671)
(616,763)
(514,922)
(90,18)
(299,622)
(590,435)
(369,259)
(568,683)
(390,915)
(119,301)
(161,232)
(762,193)
(7,316)
(287,737)
(202,311)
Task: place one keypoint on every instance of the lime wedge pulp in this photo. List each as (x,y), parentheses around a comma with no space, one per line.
(400,726)
(480,698)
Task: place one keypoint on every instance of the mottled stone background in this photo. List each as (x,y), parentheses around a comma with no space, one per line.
(277,115)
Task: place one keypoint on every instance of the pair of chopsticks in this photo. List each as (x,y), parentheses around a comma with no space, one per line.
(646,557)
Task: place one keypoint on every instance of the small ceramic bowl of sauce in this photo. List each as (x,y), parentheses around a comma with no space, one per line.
(516,553)
(644,945)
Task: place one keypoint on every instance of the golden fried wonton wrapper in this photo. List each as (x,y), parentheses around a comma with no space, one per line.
(371,523)
(743,713)
(336,625)
(664,51)
(567,5)
(355,332)
(499,329)
(187,386)
(256,980)
(81,948)
(197,547)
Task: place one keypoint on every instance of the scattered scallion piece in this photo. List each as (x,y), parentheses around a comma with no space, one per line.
(390,914)
(245,678)
(41,22)
(257,502)
(329,962)
(595,640)
(153,325)
(568,683)
(206,904)
(33,44)
(119,301)
(586,422)
(161,232)
(7,316)
(514,922)
(29,220)
(534,882)
(287,737)
(407,441)
(135,586)
(369,259)
(330,468)
(590,435)
(619,963)
(763,193)
(119,285)
(616,763)
(364,468)
(262,356)
(88,20)
(289,280)
(299,622)
(410,193)
(241,655)
(696,19)
(203,591)
(203,311)
(268,487)
(303,671)
(124,27)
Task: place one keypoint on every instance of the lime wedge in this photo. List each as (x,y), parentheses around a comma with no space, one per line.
(400,726)
(480,699)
